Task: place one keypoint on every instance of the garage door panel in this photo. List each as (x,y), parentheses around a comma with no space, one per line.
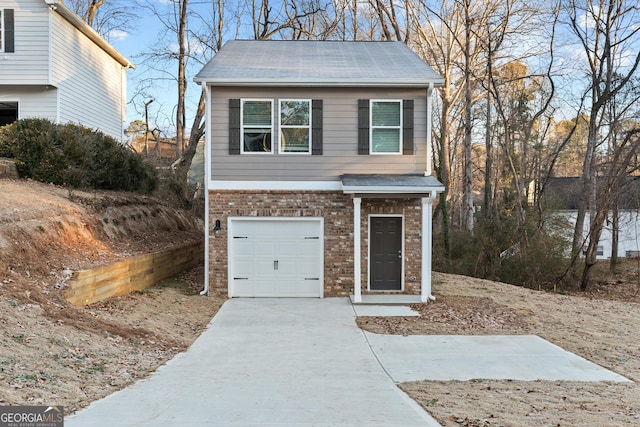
(276,258)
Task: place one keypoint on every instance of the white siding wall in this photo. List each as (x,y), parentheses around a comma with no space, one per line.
(91,84)
(29,63)
(628,234)
(32,101)
(340,138)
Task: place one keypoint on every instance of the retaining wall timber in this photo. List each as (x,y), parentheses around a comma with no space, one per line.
(133,274)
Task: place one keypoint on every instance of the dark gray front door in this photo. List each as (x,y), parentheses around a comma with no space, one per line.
(386,254)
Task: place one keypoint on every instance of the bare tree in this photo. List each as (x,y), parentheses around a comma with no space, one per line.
(110,18)
(286,19)
(607,32)
(436,32)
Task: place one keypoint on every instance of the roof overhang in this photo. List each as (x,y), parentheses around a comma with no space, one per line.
(66,13)
(391,185)
(317,83)
(317,63)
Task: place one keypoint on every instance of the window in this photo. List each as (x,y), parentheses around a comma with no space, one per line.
(251,126)
(8,112)
(6,30)
(386,127)
(599,251)
(295,126)
(632,254)
(257,126)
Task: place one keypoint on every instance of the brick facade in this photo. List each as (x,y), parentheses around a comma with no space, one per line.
(337,210)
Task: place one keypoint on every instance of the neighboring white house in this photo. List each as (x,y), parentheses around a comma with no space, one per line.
(54,66)
(562,195)
(628,233)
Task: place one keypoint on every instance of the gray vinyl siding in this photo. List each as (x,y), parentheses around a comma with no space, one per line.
(90,82)
(33,101)
(340,134)
(29,63)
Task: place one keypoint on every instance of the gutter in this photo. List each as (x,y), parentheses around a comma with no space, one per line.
(62,10)
(284,82)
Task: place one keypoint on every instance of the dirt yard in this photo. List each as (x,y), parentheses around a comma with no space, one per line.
(54,353)
(602,326)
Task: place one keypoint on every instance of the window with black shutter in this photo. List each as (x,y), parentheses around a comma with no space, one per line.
(385,126)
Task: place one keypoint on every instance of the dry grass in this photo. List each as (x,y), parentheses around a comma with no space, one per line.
(603,330)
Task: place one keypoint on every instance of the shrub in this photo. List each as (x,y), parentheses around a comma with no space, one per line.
(532,256)
(74,156)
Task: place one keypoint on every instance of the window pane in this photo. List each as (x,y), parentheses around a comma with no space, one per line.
(385,140)
(385,114)
(257,140)
(295,140)
(256,113)
(294,113)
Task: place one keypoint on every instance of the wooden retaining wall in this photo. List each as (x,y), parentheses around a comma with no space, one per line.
(134,274)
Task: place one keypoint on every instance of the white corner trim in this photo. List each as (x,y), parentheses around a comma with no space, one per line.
(357,267)
(275,185)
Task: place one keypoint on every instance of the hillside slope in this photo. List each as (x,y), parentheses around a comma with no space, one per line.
(52,353)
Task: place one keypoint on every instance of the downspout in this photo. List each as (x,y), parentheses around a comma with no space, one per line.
(207,177)
(428,170)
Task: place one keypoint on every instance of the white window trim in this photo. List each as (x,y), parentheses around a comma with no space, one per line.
(371,127)
(369,251)
(242,127)
(281,126)
(2,30)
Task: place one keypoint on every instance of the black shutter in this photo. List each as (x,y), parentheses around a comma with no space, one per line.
(407,126)
(9,44)
(316,127)
(363,126)
(234,126)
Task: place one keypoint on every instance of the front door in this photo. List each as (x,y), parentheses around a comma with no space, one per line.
(385,262)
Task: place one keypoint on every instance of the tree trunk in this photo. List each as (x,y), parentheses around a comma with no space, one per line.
(488,190)
(445,172)
(182,81)
(615,228)
(468,167)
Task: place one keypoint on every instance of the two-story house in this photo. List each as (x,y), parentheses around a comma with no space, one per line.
(54,66)
(318,169)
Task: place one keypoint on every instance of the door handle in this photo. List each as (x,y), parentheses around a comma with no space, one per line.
(400,254)
(275,264)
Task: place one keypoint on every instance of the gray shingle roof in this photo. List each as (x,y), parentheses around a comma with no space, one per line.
(382,183)
(317,63)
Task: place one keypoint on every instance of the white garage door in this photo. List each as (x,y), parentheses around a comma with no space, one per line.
(276,257)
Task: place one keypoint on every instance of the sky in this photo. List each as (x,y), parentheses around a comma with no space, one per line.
(144,35)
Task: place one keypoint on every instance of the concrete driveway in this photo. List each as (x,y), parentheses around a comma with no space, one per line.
(267,362)
(303,362)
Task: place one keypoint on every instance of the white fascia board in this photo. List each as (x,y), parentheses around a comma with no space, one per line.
(319,83)
(390,189)
(66,13)
(275,185)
